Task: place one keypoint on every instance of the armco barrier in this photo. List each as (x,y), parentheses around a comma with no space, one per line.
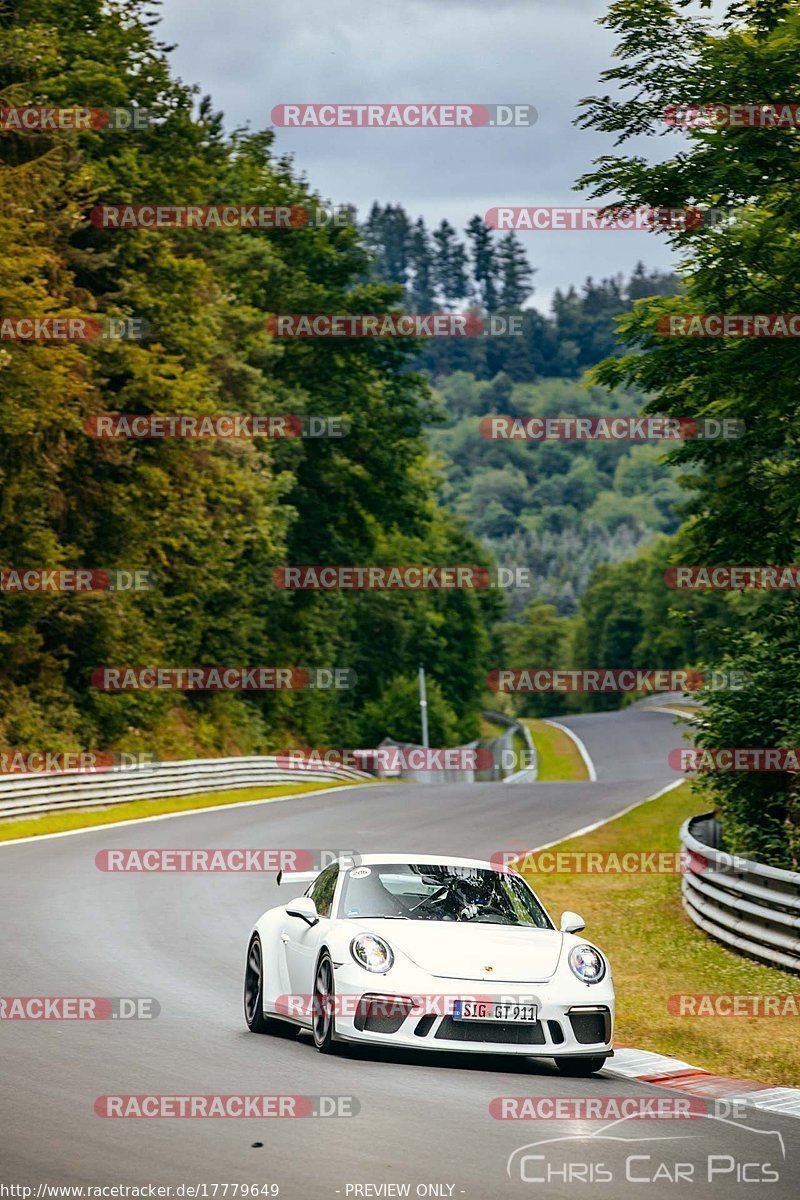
(529,773)
(31,794)
(501,748)
(752,908)
(417,775)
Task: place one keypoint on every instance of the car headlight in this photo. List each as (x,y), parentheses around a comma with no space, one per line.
(587,963)
(372,953)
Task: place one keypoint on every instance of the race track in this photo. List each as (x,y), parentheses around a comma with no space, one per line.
(70,929)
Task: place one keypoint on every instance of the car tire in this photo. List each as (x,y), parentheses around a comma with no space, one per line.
(580,1066)
(323,1025)
(253,996)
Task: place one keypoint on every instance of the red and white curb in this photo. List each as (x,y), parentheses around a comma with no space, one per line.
(647,1067)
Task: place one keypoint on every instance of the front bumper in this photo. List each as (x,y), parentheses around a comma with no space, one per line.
(573,1019)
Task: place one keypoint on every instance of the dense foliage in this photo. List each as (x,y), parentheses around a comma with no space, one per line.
(210,519)
(625,618)
(595,523)
(559,509)
(744,492)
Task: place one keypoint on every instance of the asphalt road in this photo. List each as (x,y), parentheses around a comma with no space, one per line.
(69,929)
(632,745)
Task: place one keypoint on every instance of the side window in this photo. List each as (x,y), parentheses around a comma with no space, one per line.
(324,887)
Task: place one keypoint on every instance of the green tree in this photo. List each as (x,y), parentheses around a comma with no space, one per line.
(538,640)
(396,714)
(449,267)
(744,492)
(422,287)
(515,272)
(485,267)
(210,519)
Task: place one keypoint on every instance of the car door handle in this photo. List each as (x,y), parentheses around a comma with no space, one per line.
(285,938)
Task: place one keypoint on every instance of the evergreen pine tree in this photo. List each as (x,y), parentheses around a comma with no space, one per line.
(450,267)
(484,263)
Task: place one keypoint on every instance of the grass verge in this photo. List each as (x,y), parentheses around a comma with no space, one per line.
(520,748)
(657,952)
(61,822)
(558,756)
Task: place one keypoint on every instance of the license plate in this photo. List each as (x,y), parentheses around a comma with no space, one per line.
(481,1010)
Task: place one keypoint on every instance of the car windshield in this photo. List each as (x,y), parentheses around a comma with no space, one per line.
(433,892)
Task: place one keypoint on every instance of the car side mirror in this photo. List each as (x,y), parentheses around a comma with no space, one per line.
(304,908)
(571,922)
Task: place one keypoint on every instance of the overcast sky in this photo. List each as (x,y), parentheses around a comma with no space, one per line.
(251,55)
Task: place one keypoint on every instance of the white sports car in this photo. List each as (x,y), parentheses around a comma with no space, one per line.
(430,953)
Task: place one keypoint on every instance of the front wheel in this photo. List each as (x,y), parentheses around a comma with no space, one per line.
(323,1006)
(580,1066)
(254,996)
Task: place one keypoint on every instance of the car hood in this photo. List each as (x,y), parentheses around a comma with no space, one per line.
(491,953)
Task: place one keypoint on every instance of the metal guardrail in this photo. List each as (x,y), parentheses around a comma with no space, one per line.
(526,774)
(752,908)
(421,775)
(39,793)
(501,748)
(35,793)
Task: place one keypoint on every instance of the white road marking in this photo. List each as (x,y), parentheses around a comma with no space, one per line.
(598,824)
(584,753)
(188,812)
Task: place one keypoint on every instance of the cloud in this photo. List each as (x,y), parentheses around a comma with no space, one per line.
(250,58)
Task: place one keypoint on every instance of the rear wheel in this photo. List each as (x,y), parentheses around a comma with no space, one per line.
(323,1024)
(254,996)
(580,1066)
